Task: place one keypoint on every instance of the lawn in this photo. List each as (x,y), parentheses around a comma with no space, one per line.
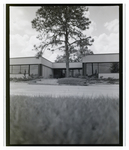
(64,120)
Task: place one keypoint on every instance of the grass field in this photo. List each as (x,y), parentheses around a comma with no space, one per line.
(64,120)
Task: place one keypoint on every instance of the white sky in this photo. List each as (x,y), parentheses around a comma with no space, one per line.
(104,29)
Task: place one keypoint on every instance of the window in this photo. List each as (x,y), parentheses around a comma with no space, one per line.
(34,69)
(114,67)
(89,69)
(16,70)
(80,71)
(95,68)
(75,72)
(71,73)
(24,68)
(84,69)
(108,67)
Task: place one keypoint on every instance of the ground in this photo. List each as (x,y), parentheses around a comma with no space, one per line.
(19,88)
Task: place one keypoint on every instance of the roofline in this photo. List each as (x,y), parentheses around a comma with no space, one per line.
(102,54)
(22,57)
(64,62)
(29,57)
(47,59)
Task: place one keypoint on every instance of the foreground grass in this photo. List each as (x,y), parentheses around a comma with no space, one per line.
(64,120)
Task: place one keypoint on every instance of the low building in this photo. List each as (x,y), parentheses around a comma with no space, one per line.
(99,65)
(103,65)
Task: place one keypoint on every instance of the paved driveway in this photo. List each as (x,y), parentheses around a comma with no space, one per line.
(63,90)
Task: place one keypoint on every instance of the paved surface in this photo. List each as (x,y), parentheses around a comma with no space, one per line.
(63,90)
(48,81)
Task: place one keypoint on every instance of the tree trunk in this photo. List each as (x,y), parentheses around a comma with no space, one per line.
(66,45)
(67,55)
(67,67)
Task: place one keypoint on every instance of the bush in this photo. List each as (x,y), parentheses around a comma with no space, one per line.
(101,77)
(72,81)
(28,78)
(64,120)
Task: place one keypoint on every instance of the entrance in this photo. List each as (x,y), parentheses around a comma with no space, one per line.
(59,73)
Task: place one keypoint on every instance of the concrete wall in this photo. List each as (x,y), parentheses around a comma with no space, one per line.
(24,60)
(46,72)
(101,58)
(63,65)
(46,62)
(30,60)
(111,75)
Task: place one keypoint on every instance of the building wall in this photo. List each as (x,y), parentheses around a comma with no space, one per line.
(101,64)
(47,67)
(24,60)
(46,62)
(63,65)
(101,58)
(30,60)
(46,72)
(111,75)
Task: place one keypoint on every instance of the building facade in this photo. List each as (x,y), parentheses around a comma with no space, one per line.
(103,65)
(99,65)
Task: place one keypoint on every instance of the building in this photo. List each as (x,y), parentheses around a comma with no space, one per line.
(104,65)
(99,65)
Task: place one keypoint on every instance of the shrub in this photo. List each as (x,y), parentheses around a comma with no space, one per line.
(101,77)
(28,78)
(72,81)
(64,120)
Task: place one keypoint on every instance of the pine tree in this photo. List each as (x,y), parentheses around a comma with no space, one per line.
(61,27)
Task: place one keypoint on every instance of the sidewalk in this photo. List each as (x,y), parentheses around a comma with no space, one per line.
(48,82)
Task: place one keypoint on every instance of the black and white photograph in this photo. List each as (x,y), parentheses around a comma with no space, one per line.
(64,74)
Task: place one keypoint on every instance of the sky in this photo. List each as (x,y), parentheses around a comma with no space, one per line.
(104,28)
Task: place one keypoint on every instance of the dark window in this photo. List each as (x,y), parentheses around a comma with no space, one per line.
(71,73)
(75,72)
(80,72)
(24,68)
(84,69)
(114,67)
(16,70)
(108,67)
(95,68)
(34,69)
(89,69)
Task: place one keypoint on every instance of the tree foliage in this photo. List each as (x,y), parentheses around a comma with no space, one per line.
(61,27)
(75,57)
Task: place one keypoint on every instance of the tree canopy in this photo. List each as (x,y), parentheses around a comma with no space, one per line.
(75,57)
(61,27)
